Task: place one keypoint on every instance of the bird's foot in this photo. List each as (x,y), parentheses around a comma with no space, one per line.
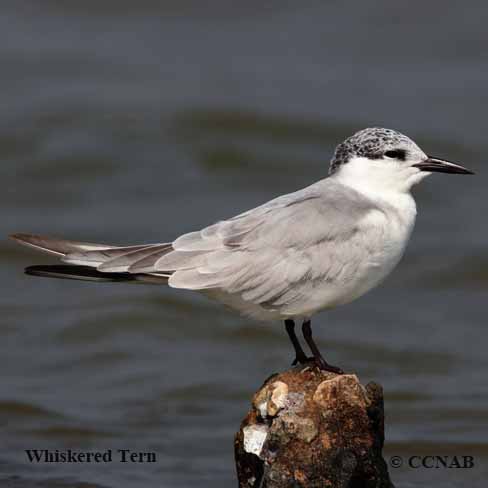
(320,364)
(323,365)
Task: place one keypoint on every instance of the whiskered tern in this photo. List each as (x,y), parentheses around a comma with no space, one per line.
(303,252)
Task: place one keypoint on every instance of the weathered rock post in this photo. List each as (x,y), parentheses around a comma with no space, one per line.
(312,429)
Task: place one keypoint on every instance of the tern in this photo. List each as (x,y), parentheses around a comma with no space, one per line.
(286,260)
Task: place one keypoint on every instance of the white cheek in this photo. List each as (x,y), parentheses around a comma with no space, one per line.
(363,173)
(379,175)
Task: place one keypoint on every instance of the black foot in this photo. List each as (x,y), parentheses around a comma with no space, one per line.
(323,365)
(320,362)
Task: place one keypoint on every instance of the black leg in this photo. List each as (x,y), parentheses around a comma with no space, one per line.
(300,357)
(319,360)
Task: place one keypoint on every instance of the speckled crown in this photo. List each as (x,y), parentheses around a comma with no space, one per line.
(370,143)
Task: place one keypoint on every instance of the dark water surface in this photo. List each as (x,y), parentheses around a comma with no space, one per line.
(127,122)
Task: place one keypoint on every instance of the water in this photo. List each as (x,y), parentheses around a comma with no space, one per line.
(127,123)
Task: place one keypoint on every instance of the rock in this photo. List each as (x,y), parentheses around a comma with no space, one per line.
(313,429)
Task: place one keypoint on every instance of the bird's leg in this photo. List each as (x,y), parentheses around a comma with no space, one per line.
(300,357)
(319,360)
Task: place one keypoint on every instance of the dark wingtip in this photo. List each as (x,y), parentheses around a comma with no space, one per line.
(38,270)
(74,272)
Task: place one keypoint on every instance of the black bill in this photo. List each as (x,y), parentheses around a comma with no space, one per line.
(435,165)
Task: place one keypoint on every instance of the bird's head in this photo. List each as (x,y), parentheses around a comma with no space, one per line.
(378,159)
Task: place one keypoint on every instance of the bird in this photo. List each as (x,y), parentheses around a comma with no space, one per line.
(290,258)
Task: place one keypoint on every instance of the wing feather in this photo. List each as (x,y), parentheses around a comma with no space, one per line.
(273,255)
(124,262)
(98,257)
(53,245)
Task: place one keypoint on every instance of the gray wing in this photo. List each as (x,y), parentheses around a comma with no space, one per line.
(271,255)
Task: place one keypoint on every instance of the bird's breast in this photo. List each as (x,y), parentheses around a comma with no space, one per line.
(386,233)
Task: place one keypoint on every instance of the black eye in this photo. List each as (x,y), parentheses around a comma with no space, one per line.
(396,154)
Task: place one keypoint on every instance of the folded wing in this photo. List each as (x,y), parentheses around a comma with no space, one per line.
(272,255)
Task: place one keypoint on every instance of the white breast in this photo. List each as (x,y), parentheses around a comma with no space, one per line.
(386,234)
